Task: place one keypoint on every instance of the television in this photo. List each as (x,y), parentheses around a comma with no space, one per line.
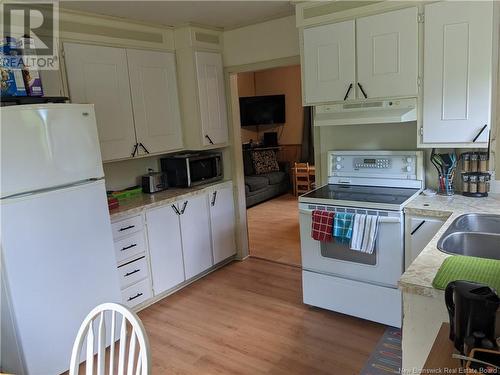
(262,110)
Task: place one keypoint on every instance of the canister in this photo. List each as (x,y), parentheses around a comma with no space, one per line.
(465,183)
(466,162)
(474,158)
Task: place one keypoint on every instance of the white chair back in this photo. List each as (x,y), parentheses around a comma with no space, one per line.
(134,356)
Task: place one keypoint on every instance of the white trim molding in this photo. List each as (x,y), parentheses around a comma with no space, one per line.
(495,186)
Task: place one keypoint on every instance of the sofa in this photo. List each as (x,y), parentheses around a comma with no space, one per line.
(262,186)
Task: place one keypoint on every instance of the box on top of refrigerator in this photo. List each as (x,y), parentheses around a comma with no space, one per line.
(31,77)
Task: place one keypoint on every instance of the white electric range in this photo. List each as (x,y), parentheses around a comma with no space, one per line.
(337,278)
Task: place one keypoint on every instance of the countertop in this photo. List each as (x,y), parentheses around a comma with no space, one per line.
(144,201)
(419,276)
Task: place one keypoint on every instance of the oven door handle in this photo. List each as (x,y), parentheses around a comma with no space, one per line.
(382,219)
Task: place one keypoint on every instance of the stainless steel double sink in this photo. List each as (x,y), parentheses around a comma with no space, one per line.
(476,235)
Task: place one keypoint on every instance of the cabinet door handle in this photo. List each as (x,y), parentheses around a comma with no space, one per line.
(176,210)
(209,139)
(131,273)
(362,90)
(417,228)
(480,132)
(128,247)
(134,297)
(127,228)
(347,92)
(184,207)
(214,197)
(134,150)
(144,148)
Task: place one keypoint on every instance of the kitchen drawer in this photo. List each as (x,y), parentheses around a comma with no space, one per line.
(137,293)
(130,246)
(125,227)
(133,272)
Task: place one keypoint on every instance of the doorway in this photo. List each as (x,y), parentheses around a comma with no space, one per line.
(272,208)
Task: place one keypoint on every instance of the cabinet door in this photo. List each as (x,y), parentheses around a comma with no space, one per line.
(222,223)
(420,232)
(195,228)
(99,76)
(387,54)
(329,62)
(212,98)
(165,248)
(457,72)
(155,100)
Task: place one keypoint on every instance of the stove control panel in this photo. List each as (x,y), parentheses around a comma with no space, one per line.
(371,163)
(407,165)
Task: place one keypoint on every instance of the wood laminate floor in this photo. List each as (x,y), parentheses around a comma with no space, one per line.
(248,318)
(273,230)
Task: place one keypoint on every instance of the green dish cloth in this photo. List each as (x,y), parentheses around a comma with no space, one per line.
(479,270)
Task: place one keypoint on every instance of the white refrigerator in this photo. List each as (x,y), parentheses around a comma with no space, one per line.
(57,259)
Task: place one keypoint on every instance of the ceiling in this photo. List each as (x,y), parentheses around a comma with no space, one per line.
(222,14)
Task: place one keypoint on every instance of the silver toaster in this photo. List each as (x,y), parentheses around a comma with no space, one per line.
(154,182)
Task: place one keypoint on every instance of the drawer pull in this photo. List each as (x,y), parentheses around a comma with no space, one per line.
(127,228)
(132,272)
(134,297)
(480,132)
(128,247)
(362,90)
(417,228)
(348,91)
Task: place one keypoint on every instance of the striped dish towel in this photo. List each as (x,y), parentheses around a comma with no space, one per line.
(364,233)
(342,227)
(322,224)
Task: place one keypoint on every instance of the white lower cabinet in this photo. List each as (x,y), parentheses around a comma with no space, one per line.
(222,223)
(419,231)
(132,259)
(165,248)
(162,248)
(137,293)
(195,230)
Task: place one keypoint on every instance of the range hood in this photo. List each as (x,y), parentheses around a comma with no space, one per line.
(366,112)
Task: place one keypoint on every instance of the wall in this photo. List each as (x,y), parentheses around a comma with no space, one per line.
(122,174)
(246,87)
(261,42)
(285,80)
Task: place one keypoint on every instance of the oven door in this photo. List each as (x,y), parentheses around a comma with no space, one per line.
(383,267)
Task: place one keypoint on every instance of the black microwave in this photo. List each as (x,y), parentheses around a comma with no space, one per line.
(186,170)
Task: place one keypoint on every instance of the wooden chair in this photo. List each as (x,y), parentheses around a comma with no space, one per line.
(136,341)
(302,178)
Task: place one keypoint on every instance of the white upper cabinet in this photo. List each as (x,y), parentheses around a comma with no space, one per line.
(195,229)
(99,75)
(135,97)
(153,84)
(457,73)
(329,62)
(212,99)
(222,223)
(369,57)
(387,54)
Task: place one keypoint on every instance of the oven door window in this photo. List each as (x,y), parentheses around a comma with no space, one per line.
(202,169)
(342,251)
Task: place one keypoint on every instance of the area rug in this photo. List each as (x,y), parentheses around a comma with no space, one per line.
(386,357)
